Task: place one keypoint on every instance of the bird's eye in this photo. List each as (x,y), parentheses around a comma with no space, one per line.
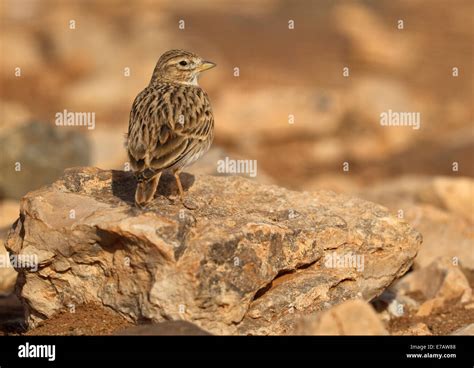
(183,63)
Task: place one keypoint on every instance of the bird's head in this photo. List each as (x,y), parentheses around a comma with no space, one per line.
(180,66)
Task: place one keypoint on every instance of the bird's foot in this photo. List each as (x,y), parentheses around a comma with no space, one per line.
(143,205)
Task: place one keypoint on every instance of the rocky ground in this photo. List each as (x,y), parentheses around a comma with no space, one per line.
(249,260)
(252,259)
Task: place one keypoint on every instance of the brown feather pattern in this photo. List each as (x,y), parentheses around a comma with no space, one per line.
(171,123)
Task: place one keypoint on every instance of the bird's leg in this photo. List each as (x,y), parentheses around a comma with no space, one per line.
(180,187)
(181,192)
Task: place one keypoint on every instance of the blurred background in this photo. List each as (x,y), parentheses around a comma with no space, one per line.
(107,58)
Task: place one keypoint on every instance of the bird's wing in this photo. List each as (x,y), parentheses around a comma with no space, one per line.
(169,124)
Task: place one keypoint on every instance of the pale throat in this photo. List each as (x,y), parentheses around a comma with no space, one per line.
(193,81)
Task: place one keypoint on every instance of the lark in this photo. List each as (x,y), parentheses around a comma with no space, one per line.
(171,122)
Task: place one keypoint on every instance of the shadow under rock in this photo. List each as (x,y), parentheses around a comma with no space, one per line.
(124,184)
(12,315)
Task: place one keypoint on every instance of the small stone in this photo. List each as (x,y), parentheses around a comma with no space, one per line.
(430,306)
(353,317)
(441,279)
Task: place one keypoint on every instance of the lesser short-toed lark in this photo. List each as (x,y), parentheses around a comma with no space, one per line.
(171,122)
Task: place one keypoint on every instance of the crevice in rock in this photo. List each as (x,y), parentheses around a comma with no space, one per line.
(281,277)
(109,241)
(304,266)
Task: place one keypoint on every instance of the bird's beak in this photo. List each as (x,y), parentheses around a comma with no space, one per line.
(206,65)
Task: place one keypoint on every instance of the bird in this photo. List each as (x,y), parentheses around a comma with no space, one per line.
(171,122)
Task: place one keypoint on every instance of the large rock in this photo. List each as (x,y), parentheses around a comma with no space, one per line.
(249,260)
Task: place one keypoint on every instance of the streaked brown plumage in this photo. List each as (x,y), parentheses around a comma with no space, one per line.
(171,123)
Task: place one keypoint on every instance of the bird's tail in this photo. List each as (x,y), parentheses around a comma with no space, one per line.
(146,190)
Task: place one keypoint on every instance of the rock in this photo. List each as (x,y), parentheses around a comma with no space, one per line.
(465,331)
(250,260)
(444,236)
(441,281)
(36,154)
(168,328)
(353,317)
(430,306)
